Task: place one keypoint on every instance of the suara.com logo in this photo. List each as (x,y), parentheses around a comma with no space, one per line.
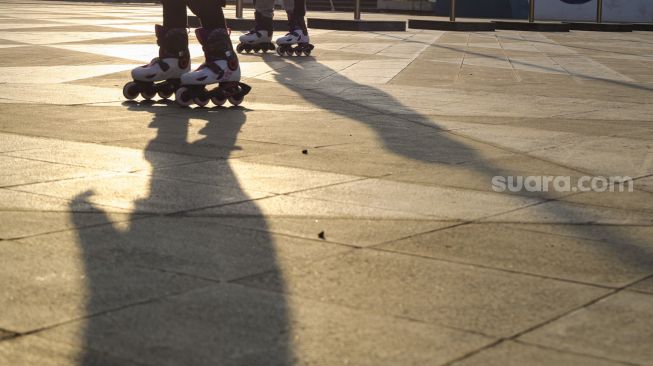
(546,183)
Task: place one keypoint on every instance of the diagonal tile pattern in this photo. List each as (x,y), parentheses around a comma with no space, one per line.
(345,214)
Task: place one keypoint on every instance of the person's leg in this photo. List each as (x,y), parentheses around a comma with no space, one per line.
(163,73)
(296,11)
(264,8)
(263,15)
(209,12)
(174,14)
(298,32)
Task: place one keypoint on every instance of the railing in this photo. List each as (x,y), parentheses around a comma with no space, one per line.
(452,14)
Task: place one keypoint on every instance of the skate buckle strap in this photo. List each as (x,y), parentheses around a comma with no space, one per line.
(158,61)
(215,68)
(164,66)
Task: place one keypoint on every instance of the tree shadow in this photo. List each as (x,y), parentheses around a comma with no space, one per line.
(173,271)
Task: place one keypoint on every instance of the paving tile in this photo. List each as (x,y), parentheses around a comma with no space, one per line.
(299,207)
(513,353)
(405,147)
(233,325)
(11,200)
(103,124)
(18,224)
(252,177)
(617,327)
(17,58)
(99,156)
(570,213)
(424,200)
(11,142)
(624,200)
(55,282)
(35,350)
(353,231)
(143,194)
(615,263)
(17,171)
(607,156)
(644,286)
(61,94)
(5,334)
(219,252)
(478,175)
(467,297)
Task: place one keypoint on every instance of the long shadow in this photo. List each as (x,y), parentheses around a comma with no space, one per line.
(174,271)
(440,148)
(535,66)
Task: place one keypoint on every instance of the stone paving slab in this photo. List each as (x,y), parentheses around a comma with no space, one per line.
(359,232)
(514,249)
(30,350)
(513,353)
(343,214)
(52,285)
(313,327)
(406,286)
(599,329)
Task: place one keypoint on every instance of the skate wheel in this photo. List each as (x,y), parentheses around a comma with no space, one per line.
(239,48)
(280,51)
(148,94)
(298,51)
(130,90)
(236,101)
(182,98)
(201,102)
(217,101)
(165,93)
(307,52)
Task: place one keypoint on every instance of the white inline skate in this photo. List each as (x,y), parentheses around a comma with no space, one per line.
(221,66)
(259,38)
(298,35)
(162,75)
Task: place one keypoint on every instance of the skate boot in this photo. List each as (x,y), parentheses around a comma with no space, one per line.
(259,38)
(161,76)
(221,66)
(298,35)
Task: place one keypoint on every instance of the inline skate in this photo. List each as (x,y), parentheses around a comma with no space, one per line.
(221,66)
(259,38)
(298,35)
(162,75)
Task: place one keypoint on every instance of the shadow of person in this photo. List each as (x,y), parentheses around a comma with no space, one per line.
(407,133)
(160,286)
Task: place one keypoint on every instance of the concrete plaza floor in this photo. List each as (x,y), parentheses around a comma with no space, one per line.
(345,214)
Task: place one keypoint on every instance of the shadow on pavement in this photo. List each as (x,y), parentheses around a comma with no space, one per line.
(437,147)
(175,270)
